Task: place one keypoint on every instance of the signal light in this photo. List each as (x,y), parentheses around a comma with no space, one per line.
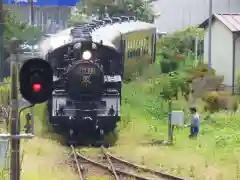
(36,80)
(36,87)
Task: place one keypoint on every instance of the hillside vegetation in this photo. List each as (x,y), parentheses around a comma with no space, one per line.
(213,155)
(41,157)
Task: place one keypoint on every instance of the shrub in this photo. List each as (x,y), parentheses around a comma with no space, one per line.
(134,69)
(219,100)
(199,72)
(152,71)
(168,65)
(172,84)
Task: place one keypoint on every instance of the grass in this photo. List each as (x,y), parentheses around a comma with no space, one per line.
(42,157)
(214,155)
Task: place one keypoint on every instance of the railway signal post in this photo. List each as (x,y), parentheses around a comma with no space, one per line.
(36,80)
(37,74)
(15,123)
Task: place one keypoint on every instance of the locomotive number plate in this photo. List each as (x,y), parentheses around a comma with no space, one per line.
(88,70)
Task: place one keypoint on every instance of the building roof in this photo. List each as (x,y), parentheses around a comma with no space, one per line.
(231,21)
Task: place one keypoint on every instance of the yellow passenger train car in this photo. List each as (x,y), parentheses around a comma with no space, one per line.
(139,52)
(135,39)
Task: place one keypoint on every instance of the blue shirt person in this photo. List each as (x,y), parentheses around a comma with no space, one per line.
(195,122)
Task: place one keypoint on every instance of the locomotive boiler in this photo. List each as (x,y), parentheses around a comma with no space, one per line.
(87,88)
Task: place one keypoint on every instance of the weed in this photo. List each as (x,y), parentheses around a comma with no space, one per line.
(212,156)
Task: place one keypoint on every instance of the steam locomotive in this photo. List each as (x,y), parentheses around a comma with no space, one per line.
(89,61)
(87,88)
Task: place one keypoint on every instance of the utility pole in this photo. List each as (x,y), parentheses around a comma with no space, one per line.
(15,123)
(32,12)
(1,39)
(32,23)
(210,37)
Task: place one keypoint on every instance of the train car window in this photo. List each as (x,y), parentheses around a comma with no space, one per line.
(141,42)
(134,53)
(137,45)
(137,52)
(128,54)
(142,47)
(141,51)
(131,54)
(131,44)
(147,46)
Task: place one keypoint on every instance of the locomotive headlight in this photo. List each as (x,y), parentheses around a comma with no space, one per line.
(86,55)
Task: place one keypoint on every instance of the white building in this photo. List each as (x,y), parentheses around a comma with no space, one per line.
(225,54)
(177,14)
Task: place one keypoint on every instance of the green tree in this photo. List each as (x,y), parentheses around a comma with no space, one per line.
(18,29)
(139,8)
(77,16)
(179,42)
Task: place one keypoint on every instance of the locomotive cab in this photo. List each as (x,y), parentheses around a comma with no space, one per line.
(87,91)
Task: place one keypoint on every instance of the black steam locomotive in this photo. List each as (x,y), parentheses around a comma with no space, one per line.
(87,88)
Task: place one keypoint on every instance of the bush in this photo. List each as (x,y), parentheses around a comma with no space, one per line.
(198,72)
(168,66)
(152,71)
(179,42)
(219,100)
(134,69)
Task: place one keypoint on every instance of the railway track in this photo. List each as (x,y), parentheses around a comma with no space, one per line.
(114,167)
